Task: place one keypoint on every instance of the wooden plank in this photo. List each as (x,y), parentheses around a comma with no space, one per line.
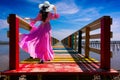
(62,69)
(92,24)
(24,24)
(83,30)
(83,47)
(83,37)
(111,34)
(95,26)
(14,40)
(95,36)
(87,34)
(95,50)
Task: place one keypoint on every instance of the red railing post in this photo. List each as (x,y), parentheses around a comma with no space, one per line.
(13,42)
(105,43)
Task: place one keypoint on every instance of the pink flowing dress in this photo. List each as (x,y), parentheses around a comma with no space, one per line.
(38,42)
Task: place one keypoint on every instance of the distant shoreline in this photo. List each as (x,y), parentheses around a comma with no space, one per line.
(3,43)
(112,42)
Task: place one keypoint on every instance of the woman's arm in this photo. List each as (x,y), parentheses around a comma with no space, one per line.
(33,21)
(38,18)
(55,10)
(55,15)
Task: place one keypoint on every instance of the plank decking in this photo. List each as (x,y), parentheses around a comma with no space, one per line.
(66,61)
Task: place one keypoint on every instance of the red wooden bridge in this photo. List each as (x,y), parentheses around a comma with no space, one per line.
(70,61)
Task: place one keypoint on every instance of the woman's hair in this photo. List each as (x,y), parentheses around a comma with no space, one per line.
(44,13)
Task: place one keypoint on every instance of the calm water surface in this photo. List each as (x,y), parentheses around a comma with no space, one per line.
(4,57)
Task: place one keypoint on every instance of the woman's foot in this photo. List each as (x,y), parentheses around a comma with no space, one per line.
(41,62)
(31,57)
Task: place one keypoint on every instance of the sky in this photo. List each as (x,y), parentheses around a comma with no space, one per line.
(74,14)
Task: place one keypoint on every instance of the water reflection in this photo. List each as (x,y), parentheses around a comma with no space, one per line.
(115,49)
(114,46)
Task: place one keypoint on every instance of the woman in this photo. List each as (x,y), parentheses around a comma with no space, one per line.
(38,42)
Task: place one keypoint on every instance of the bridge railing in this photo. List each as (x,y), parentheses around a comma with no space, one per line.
(16,22)
(75,40)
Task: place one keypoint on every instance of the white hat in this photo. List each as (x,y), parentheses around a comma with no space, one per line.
(46,3)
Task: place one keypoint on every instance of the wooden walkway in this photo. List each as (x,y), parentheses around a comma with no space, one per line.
(66,61)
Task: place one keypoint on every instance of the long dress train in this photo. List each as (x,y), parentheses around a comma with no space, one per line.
(38,42)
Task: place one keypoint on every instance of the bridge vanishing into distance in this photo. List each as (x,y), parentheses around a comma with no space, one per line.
(70,62)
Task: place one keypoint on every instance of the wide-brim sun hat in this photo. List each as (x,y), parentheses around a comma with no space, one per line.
(46,4)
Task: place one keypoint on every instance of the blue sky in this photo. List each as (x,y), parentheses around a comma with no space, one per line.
(74,14)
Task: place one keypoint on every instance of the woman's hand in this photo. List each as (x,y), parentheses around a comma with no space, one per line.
(55,10)
(26,18)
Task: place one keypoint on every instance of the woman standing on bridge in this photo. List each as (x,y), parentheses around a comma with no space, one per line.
(38,42)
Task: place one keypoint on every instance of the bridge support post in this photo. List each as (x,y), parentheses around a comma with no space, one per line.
(79,42)
(72,42)
(69,41)
(87,37)
(75,42)
(105,43)
(13,42)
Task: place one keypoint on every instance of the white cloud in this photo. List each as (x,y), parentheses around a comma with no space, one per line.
(68,7)
(116,36)
(82,15)
(90,12)
(82,19)
(62,33)
(35,1)
(3,24)
(116,29)
(116,24)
